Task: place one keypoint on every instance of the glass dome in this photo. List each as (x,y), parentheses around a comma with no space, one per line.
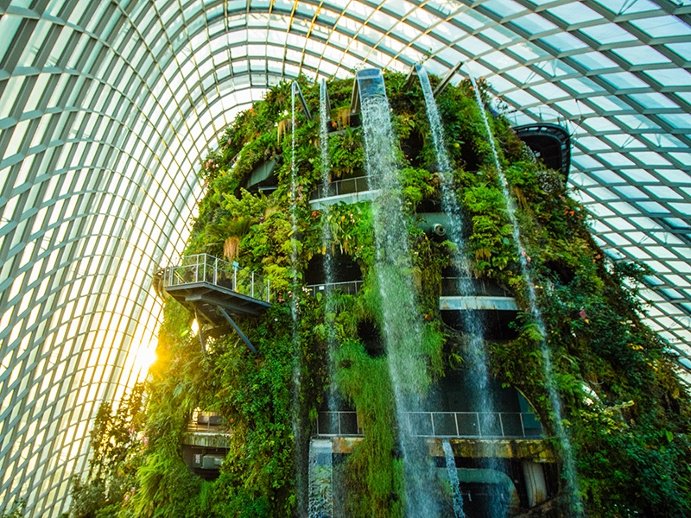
(107,108)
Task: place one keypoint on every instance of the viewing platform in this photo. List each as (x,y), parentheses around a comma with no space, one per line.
(216,290)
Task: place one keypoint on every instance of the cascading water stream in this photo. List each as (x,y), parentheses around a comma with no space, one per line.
(453,479)
(328,267)
(562,435)
(300,467)
(321,478)
(479,390)
(402,326)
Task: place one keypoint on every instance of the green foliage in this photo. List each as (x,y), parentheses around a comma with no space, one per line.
(164,487)
(346,153)
(596,340)
(115,434)
(351,230)
(16,510)
(373,479)
(469,147)
(491,240)
(116,445)
(417,185)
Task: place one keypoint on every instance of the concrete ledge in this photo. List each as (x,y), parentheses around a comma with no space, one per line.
(535,450)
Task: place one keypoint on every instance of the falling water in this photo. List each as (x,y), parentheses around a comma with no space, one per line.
(569,465)
(321,477)
(297,370)
(478,386)
(402,327)
(453,479)
(320,503)
(324,118)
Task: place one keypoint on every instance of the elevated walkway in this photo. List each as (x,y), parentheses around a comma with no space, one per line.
(217,290)
(463,303)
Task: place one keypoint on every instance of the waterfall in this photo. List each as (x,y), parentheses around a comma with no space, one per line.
(319,509)
(402,325)
(453,479)
(479,390)
(297,368)
(321,501)
(324,118)
(328,268)
(562,435)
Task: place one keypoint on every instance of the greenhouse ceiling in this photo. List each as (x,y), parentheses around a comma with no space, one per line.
(107,108)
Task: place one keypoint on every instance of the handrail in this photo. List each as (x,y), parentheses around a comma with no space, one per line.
(347,287)
(354,185)
(207,421)
(208,428)
(207,268)
(338,423)
(486,425)
(479,287)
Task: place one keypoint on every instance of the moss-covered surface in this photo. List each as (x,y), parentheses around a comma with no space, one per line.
(624,410)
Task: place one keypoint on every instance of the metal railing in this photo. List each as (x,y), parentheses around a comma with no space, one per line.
(207,268)
(344,186)
(474,424)
(488,425)
(476,287)
(347,287)
(338,423)
(207,422)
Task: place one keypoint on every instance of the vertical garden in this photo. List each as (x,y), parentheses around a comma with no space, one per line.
(625,413)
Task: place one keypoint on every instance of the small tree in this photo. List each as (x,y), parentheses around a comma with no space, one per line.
(116,443)
(16,510)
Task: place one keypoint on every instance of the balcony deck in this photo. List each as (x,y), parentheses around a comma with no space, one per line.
(216,290)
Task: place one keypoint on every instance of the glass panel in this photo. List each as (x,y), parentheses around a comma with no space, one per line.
(662,26)
(608,33)
(572,15)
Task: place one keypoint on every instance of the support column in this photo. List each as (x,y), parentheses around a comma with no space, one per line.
(535,484)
